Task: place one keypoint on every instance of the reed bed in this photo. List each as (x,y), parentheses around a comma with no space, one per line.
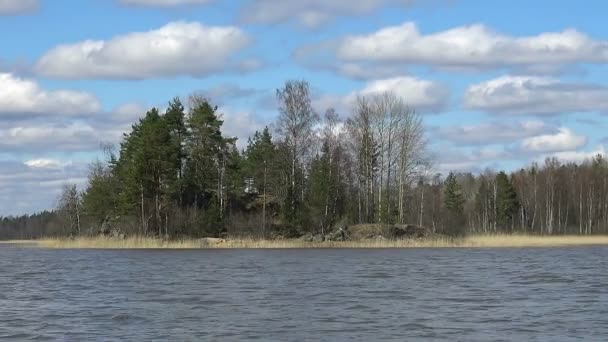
(475,241)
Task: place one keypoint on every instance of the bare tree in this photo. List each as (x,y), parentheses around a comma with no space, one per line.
(69,204)
(295,126)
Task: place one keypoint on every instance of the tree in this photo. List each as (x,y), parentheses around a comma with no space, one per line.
(101,197)
(507,203)
(295,126)
(454,203)
(175,118)
(146,171)
(69,205)
(365,151)
(260,164)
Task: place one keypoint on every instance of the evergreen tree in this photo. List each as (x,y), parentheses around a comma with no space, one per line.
(454,203)
(507,203)
(145,170)
(175,118)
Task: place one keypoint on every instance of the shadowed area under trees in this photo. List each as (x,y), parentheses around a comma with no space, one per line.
(176,174)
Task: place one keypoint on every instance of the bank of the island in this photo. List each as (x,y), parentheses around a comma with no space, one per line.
(358,236)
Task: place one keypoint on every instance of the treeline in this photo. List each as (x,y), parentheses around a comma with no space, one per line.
(25,227)
(177,174)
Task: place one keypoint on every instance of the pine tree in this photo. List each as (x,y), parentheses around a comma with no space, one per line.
(507,204)
(454,203)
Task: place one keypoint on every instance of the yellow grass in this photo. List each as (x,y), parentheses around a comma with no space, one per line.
(476,241)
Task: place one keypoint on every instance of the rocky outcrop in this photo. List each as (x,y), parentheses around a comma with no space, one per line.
(208,242)
(408,231)
(375,232)
(341,234)
(380,232)
(110,229)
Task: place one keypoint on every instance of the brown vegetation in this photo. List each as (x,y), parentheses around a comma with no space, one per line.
(475,241)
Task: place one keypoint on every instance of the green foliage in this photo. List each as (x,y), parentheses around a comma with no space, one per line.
(507,203)
(454,203)
(100,198)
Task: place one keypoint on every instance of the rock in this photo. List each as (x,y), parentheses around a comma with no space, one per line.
(108,226)
(211,241)
(339,235)
(306,237)
(318,238)
(408,231)
(378,238)
(116,233)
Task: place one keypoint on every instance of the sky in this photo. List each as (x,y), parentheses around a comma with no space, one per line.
(499,84)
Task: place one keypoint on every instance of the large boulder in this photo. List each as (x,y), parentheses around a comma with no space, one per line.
(109,226)
(318,238)
(207,242)
(341,234)
(408,231)
(308,237)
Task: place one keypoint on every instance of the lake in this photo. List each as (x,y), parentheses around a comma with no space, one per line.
(551,294)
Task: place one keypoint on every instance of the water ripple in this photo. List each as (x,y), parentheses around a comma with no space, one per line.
(295,295)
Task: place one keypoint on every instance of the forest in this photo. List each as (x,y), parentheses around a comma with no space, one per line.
(176,174)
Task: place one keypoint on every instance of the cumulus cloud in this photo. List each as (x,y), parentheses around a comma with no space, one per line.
(495,132)
(310,13)
(177,48)
(44,163)
(26,188)
(421,95)
(461,160)
(37,137)
(229,91)
(579,156)
(240,124)
(465,48)
(163,3)
(535,95)
(564,140)
(20,96)
(472,46)
(13,7)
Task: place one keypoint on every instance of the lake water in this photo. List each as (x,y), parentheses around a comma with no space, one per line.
(557,294)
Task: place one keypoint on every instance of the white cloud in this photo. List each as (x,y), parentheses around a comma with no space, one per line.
(417,93)
(421,95)
(40,137)
(163,3)
(12,7)
(579,156)
(227,92)
(564,140)
(44,163)
(178,48)
(535,95)
(59,134)
(21,96)
(460,160)
(472,47)
(239,124)
(28,188)
(495,132)
(310,13)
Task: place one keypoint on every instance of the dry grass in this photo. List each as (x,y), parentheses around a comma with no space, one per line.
(17,242)
(476,241)
(519,240)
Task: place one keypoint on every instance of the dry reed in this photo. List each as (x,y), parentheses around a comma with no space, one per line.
(475,241)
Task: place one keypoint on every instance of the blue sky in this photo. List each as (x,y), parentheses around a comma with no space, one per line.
(500,83)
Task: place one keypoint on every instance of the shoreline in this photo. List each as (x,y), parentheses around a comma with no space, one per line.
(473,241)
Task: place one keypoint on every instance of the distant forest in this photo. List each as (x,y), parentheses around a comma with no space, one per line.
(177,174)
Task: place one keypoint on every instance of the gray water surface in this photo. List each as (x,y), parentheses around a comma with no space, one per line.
(553,294)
